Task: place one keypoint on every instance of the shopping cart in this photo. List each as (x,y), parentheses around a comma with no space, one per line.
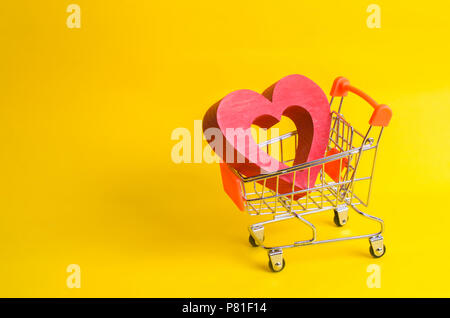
(336,187)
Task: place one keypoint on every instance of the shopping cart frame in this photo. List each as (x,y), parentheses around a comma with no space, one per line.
(337,193)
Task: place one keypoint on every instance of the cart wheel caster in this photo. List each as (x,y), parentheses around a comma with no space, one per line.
(252,241)
(377,255)
(276,261)
(341,216)
(277,269)
(258,238)
(377,248)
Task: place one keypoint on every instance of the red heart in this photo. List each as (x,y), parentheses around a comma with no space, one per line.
(294,96)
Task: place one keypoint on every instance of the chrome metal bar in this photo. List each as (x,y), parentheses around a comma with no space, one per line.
(373,166)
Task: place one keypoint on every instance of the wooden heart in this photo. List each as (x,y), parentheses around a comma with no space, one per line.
(294,96)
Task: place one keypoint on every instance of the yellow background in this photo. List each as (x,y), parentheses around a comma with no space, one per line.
(85,123)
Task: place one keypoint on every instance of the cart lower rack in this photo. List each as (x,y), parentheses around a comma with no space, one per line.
(337,187)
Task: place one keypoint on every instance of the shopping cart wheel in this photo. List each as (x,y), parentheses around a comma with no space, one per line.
(340,217)
(377,248)
(252,241)
(277,269)
(276,260)
(258,232)
(379,253)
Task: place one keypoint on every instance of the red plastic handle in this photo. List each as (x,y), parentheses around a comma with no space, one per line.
(381,115)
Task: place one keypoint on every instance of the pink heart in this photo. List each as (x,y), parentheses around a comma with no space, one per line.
(294,96)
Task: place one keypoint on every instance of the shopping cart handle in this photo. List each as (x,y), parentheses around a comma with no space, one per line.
(381,115)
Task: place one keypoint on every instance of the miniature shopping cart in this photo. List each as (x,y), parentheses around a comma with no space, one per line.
(336,187)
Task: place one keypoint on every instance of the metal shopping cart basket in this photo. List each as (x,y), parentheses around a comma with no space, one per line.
(334,189)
